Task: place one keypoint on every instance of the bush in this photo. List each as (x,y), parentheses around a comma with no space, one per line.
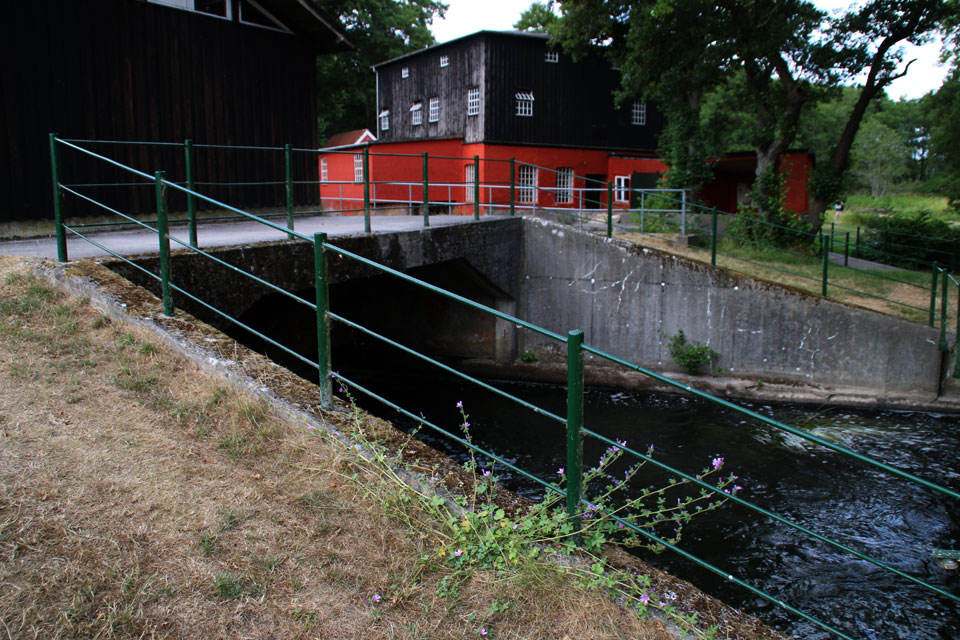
(905,240)
(687,355)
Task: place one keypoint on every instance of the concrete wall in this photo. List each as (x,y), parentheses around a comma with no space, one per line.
(628,301)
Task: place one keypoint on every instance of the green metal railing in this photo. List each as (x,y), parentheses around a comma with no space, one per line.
(576,347)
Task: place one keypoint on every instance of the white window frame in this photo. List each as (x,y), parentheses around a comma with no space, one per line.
(469,175)
(276,26)
(473,101)
(416,114)
(358,167)
(444,61)
(405,72)
(384,120)
(190,5)
(551,56)
(524,104)
(527,184)
(434,110)
(564,193)
(621,188)
(324,175)
(638,114)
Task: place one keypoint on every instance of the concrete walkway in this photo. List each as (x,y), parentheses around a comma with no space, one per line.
(218,234)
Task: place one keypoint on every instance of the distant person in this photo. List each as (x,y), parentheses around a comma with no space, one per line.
(838,207)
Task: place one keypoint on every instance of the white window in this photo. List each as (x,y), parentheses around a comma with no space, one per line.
(639,114)
(358,167)
(385,120)
(552,56)
(564,185)
(527,181)
(621,188)
(444,61)
(405,72)
(416,114)
(469,176)
(434,109)
(473,101)
(323,170)
(524,103)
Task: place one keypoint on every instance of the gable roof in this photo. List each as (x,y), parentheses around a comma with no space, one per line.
(350,138)
(476,34)
(306,19)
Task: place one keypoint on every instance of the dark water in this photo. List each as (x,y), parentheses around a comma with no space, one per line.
(889,519)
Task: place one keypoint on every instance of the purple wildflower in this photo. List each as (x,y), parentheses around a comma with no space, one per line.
(560,471)
(486,474)
(459,404)
(458,553)
(483,631)
(645,599)
(717,462)
(376,598)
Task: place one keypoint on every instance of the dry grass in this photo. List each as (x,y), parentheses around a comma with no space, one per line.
(142,497)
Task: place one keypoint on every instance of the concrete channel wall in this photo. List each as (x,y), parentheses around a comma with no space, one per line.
(629,301)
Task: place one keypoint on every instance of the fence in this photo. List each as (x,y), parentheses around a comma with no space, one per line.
(573,342)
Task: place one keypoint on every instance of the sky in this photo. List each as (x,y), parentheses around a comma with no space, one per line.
(467,16)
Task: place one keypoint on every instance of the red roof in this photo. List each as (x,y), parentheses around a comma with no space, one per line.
(347,138)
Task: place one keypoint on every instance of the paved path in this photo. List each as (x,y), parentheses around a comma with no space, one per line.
(220,234)
(860,263)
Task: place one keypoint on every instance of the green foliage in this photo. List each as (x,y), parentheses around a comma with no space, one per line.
(943,112)
(528,356)
(910,240)
(688,355)
(537,18)
(879,156)
(779,227)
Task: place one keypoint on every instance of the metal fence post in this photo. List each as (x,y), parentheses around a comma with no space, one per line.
(943,314)
(825,251)
(713,239)
(857,250)
(513,185)
(933,295)
(609,209)
(846,251)
(323,321)
(366,189)
(476,187)
(574,469)
(163,234)
(58,200)
(191,201)
(288,166)
(683,212)
(643,208)
(426,191)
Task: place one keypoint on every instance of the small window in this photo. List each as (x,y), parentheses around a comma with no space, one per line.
(473,101)
(358,167)
(444,61)
(527,183)
(639,114)
(416,114)
(434,109)
(524,103)
(405,72)
(385,120)
(564,185)
(469,176)
(552,56)
(324,176)
(621,188)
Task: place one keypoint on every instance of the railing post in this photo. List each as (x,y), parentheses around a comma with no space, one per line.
(713,239)
(288,162)
(574,468)
(609,209)
(683,212)
(513,185)
(846,251)
(857,250)
(643,207)
(476,187)
(426,190)
(366,189)
(825,251)
(933,295)
(163,233)
(323,322)
(943,314)
(191,201)
(58,200)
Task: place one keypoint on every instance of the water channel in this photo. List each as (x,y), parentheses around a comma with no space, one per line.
(882,516)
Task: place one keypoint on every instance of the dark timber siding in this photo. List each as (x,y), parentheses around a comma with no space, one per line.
(128,70)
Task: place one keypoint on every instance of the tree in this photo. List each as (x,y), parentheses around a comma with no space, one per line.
(943,108)
(879,156)
(381,29)
(537,18)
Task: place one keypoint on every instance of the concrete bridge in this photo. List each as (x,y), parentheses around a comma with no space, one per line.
(628,300)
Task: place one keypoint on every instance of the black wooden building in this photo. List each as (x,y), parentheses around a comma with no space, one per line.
(219,72)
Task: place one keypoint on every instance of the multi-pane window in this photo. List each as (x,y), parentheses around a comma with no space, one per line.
(564,185)
(552,56)
(358,167)
(639,113)
(621,188)
(444,61)
(405,72)
(473,101)
(416,114)
(527,183)
(434,109)
(469,176)
(524,103)
(323,170)
(385,120)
